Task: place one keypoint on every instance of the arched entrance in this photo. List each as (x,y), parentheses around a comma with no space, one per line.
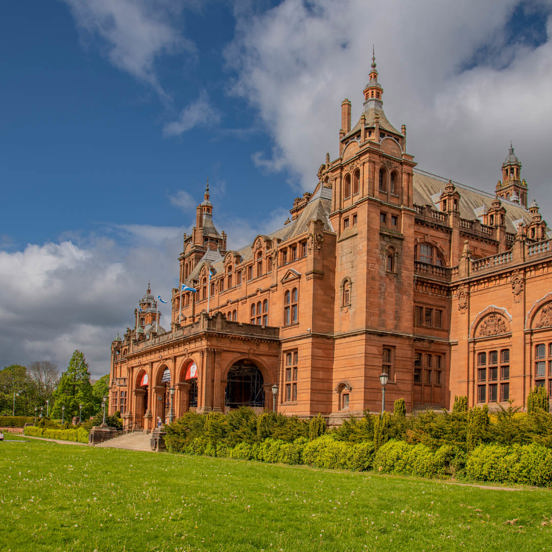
(189,386)
(142,397)
(244,385)
(164,397)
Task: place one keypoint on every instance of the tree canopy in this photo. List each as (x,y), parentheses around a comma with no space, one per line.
(74,389)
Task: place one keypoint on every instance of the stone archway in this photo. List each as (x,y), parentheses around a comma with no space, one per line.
(187,388)
(244,385)
(141,392)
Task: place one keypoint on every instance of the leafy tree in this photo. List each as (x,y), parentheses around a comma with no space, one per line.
(45,377)
(74,388)
(14,379)
(100,389)
(317,427)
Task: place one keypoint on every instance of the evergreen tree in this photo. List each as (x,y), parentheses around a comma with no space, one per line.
(538,398)
(100,389)
(74,388)
(399,408)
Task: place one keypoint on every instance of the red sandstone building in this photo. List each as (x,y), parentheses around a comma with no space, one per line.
(382,268)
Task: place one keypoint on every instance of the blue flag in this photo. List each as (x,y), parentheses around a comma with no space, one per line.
(159,297)
(188,288)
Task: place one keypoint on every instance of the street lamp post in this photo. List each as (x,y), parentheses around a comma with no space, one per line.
(80,413)
(15,394)
(62,415)
(104,401)
(384,378)
(171,412)
(47,408)
(274,394)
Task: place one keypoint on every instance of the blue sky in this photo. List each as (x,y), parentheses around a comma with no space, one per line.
(114,113)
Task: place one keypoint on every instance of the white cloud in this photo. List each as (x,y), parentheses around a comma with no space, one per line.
(58,297)
(198,113)
(134,32)
(296,62)
(183,200)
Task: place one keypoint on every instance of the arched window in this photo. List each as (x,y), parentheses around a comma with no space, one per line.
(234,315)
(429,254)
(252,317)
(356,182)
(393,183)
(382,180)
(229,276)
(204,288)
(287,308)
(347,186)
(259,263)
(259,313)
(390,260)
(346,293)
(265,312)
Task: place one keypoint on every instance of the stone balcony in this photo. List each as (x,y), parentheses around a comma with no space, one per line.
(216,323)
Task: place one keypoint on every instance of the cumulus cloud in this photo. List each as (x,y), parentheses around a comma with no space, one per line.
(61,296)
(198,113)
(134,33)
(463,78)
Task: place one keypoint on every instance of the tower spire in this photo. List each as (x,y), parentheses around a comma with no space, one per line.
(373,90)
(206,195)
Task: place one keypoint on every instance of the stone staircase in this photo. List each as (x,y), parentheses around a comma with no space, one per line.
(137,440)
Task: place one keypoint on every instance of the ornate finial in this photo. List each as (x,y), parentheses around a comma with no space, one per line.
(149,288)
(207,190)
(373,57)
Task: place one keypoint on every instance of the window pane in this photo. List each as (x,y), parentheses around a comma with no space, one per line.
(294,392)
(540,371)
(482,359)
(288,359)
(505,356)
(288,374)
(428,317)
(294,313)
(481,394)
(481,374)
(295,355)
(505,372)
(417,375)
(504,391)
(493,373)
(288,392)
(345,400)
(492,392)
(540,351)
(493,357)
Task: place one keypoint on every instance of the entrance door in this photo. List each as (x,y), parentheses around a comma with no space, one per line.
(244,386)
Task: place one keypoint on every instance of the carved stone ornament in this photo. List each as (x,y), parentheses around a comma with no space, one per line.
(518,284)
(544,318)
(315,240)
(321,171)
(462,295)
(493,324)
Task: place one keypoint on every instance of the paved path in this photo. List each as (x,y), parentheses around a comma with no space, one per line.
(131,441)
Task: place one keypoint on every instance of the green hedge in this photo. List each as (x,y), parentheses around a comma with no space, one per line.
(15,421)
(525,464)
(79,435)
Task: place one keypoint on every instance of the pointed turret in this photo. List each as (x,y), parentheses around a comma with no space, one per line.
(512,187)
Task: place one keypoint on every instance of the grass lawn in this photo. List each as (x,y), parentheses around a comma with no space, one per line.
(63,497)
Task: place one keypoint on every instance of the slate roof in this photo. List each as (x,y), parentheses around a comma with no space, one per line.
(473,203)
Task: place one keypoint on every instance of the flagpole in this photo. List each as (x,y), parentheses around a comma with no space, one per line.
(209,292)
(180,302)
(157,316)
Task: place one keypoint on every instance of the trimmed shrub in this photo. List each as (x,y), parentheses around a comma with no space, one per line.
(317,427)
(538,399)
(460,404)
(242,451)
(355,430)
(326,452)
(361,456)
(15,421)
(477,430)
(79,435)
(399,408)
(381,424)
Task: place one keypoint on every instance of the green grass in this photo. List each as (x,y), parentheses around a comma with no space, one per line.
(63,497)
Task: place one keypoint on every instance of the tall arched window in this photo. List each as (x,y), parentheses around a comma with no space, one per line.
(347,186)
(382,180)
(393,183)
(204,288)
(429,254)
(229,276)
(356,182)
(346,293)
(259,263)
(287,308)
(252,317)
(390,260)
